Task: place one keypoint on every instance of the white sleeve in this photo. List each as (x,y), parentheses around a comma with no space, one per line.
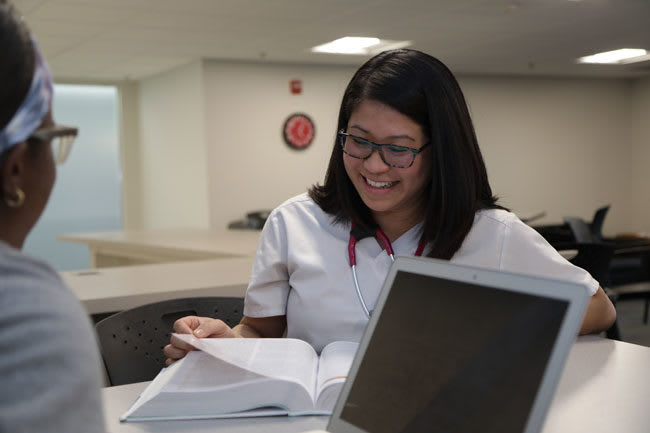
(526,251)
(268,288)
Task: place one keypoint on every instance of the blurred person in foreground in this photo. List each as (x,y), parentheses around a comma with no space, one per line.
(50,375)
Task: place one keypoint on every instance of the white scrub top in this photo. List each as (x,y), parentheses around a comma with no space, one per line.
(302,269)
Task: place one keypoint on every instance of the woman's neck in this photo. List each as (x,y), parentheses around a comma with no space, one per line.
(12,232)
(395,224)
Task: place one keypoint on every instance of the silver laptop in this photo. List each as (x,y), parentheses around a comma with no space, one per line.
(452,348)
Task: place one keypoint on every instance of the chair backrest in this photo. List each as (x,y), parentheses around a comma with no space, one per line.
(594,258)
(596,225)
(131,341)
(580,229)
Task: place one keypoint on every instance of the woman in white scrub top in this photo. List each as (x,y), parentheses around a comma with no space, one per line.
(406,160)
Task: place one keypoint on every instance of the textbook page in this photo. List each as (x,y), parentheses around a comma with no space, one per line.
(279,358)
(333,368)
(194,387)
(232,378)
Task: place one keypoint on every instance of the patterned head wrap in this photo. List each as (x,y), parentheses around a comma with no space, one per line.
(34,107)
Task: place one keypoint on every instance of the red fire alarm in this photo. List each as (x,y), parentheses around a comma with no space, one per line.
(295,86)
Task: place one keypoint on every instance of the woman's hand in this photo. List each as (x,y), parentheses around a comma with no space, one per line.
(200,327)
(205,327)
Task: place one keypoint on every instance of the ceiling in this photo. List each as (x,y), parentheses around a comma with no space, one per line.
(114,40)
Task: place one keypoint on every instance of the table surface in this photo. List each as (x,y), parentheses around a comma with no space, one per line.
(106,290)
(605,387)
(208,241)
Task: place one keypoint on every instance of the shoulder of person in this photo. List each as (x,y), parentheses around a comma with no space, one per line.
(50,356)
(46,319)
(301,206)
(17,267)
(14,261)
(497,217)
(514,232)
(300,202)
(302,212)
(36,292)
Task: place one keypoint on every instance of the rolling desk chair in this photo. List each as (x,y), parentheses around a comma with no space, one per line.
(131,341)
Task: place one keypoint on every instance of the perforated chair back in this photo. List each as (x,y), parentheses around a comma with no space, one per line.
(131,341)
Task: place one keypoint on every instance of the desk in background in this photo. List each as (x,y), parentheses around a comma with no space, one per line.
(135,247)
(605,388)
(108,290)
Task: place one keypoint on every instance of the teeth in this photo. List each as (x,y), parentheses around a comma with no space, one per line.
(379,184)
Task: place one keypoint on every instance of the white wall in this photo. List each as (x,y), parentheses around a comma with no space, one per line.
(640,166)
(250,166)
(556,145)
(212,147)
(173,171)
(128,112)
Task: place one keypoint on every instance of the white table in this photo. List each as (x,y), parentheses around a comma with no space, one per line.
(605,388)
(134,247)
(107,290)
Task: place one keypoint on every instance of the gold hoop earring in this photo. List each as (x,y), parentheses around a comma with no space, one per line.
(18,201)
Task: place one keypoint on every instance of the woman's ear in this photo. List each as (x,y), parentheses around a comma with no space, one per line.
(12,171)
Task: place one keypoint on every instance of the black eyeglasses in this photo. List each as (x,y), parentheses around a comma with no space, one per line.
(61,138)
(391,154)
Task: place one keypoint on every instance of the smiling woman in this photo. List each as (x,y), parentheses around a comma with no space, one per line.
(423,191)
(392,180)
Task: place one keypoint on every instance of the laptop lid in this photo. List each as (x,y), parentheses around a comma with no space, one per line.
(453,348)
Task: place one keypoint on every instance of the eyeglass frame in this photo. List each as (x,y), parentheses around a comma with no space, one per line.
(49,133)
(342,136)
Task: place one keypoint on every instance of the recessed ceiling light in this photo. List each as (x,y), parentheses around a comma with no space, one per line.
(622,56)
(359,46)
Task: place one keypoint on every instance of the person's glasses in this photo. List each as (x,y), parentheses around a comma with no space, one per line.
(61,138)
(391,154)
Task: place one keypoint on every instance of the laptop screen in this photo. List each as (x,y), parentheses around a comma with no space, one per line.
(478,369)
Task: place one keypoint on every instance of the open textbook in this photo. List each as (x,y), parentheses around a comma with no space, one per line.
(240,377)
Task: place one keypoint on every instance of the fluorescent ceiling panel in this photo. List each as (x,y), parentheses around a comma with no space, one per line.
(359,46)
(622,56)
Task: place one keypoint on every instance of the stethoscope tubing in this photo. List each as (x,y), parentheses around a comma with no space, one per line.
(383,239)
(359,295)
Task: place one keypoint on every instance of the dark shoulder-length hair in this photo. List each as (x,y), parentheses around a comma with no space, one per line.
(424,89)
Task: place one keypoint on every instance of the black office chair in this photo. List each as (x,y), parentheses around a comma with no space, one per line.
(596,225)
(595,257)
(628,266)
(629,275)
(254,221)
(580,230)
(131,341)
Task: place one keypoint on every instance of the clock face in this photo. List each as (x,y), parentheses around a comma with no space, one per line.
(299,131)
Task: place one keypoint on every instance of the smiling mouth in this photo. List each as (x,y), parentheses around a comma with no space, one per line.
(374,184)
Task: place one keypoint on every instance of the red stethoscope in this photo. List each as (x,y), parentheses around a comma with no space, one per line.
(357,234)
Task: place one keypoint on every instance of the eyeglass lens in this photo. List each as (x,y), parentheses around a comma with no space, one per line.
(61,147)
(394,156)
